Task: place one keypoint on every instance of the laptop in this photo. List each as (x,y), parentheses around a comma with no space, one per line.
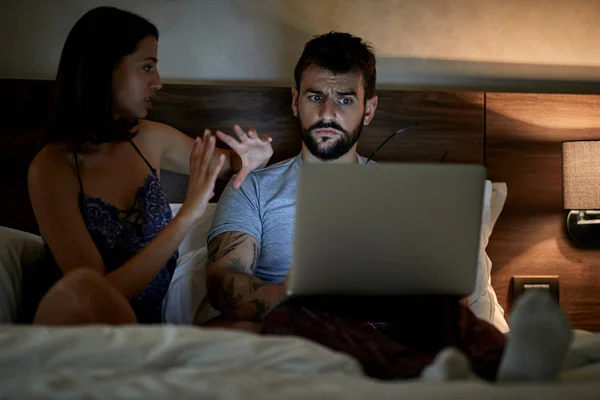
(367,234)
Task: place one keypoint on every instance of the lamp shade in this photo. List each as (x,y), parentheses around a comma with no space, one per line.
(581,174)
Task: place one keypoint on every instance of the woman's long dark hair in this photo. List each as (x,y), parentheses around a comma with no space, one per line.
(83,109)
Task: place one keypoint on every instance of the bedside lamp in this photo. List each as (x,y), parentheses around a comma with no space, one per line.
(581,190)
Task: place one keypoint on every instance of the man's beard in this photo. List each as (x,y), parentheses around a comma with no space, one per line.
(341,143)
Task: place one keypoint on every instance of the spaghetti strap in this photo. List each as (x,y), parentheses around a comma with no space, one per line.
(77,169)
(143,158)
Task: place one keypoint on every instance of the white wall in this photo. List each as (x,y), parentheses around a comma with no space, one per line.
(418,42)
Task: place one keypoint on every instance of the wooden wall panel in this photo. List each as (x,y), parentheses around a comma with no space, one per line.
(523,146)
(24,112)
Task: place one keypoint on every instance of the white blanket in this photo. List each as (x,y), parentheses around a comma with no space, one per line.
(180,362)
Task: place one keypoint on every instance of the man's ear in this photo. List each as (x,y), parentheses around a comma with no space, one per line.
(295,101)
(370,107)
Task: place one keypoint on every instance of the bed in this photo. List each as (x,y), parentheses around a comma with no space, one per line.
(179,360)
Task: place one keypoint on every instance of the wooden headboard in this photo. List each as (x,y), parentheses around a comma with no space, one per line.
(517,136)
(441,117)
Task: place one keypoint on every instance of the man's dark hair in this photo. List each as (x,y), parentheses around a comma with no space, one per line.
(339,53)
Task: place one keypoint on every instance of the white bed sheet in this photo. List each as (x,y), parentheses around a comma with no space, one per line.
(183,362)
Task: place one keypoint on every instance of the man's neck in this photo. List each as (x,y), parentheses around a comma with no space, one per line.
(351,157)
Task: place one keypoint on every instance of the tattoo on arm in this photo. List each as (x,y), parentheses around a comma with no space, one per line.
(254,284)
(236,263)
(261,308)
(231,292)
(229,296)
(225,244)
(232,297)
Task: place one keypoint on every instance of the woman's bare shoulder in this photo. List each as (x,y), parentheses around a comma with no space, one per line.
(52,162)
(154,138)
(151,129)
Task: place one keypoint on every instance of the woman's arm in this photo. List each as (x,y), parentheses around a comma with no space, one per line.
(54,191)
(247,153)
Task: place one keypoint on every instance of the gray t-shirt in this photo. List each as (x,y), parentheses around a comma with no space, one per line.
(264,207)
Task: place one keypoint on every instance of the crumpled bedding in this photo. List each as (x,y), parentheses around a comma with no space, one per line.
(126,362)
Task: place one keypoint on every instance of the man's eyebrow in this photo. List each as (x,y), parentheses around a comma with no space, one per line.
(347,92)
(154,59)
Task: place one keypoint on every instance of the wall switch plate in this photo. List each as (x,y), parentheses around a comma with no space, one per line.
(523,283)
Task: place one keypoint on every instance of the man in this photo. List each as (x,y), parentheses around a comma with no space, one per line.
(250,243)
(250,251)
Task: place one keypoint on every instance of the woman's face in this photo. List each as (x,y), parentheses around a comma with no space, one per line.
(135,80)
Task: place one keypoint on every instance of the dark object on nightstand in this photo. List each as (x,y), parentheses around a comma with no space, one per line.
(581,191)
(583,228)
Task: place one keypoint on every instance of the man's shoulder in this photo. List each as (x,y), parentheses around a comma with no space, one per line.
(276,170)
(264,179)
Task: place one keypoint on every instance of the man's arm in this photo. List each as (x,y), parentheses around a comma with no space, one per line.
(232,288)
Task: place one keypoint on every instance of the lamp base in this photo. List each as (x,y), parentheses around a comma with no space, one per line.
(583,227)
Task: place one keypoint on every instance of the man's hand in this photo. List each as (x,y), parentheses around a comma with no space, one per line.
(254,152)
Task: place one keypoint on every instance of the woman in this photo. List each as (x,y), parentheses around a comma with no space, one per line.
(110,236)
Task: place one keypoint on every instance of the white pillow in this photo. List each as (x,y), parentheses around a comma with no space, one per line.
(186,300)
(17,249)
(483,301)
(198,233)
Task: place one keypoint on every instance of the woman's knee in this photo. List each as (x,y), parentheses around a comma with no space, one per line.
(84,287)
(84,296)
